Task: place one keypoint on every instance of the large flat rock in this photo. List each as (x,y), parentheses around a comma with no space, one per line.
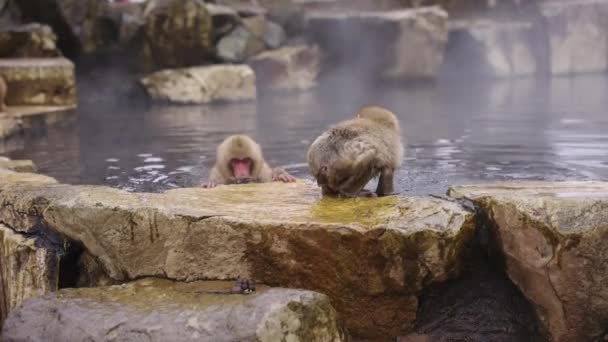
(554,237)
(39,81)
(371,256)
(161,310)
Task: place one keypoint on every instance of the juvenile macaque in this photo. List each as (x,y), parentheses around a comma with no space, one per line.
(348,155)
(2,94)
(240,160)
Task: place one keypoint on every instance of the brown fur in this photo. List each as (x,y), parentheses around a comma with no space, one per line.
(348,155)
(241,146)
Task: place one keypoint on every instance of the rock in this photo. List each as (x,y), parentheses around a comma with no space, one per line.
(81,25)
(578,35)
(494,49)
(554,239)
(244,41)
(403,44)
(289,68)
(9,125)
(33,40)
(274,36)
(17,165)
(224,18)
(372,257)
(39,81)
(9,177)
(162,310)
(29,268)
(177,33)
(202,84)
(129,18)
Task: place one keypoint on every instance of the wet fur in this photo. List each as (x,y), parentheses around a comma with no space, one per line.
(348,155)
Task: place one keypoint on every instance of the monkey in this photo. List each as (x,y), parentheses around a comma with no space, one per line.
(348,155)
(240,160)
(3,89)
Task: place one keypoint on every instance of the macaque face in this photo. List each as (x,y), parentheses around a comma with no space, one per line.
(241,168)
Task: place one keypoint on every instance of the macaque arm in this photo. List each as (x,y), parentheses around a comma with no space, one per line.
(280,175)
(385,183)
(215,178)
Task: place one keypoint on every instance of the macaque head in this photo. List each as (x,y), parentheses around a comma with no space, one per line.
(239,158)
(380,116)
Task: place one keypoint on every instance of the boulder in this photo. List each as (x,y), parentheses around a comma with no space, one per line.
(39,81)
(32,40)
(554,239)
(288,68)
(253,36)
(177,33)
(372,257)
(9,125)
(161,310)
(29,268)
(17,165)
(493,49)
(402,44)
(81,25)
(8,176)
(205,84)
(577,35)
(224,19)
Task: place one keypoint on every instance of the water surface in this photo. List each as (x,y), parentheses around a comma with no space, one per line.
(456,132)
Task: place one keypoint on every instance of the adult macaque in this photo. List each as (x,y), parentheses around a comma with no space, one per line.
(240,160)
(3,89)
(348,155)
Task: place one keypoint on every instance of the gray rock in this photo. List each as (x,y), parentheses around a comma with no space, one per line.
(39,81)
(494,49)
(403,44)
(32,40)
(288,68)
(244,41)
(554,238)
(161,310)
(204,84)
(17,165)
(372,257)
(578,35)
(274,35)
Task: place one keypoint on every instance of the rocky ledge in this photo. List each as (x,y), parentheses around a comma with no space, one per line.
(162,310)
(554,238)
(372,257)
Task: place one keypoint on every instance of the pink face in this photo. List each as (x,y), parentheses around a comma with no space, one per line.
(241,168)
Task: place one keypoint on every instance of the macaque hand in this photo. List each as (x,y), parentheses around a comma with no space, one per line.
(209,185)
(282,176)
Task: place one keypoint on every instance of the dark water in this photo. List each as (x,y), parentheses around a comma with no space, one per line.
(456,132)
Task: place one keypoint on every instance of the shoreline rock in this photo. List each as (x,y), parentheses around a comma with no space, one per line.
(163,310)
(370,256)
(554,239)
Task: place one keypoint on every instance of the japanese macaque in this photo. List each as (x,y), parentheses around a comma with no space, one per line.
(348,155)
(240,160)
(3,89)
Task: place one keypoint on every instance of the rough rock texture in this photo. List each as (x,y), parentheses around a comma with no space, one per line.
(8,176)
(495,49)
(177,33)
(395,44)
(29,268)
(39,81)
(578,35)
(9,125)
(554,237)
(371,256)
(17,165)
(202,84)
(251,37)
(161,310)
(288,68)
(33,40)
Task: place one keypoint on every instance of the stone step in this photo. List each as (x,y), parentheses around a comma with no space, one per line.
(39,81)
(162,310)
